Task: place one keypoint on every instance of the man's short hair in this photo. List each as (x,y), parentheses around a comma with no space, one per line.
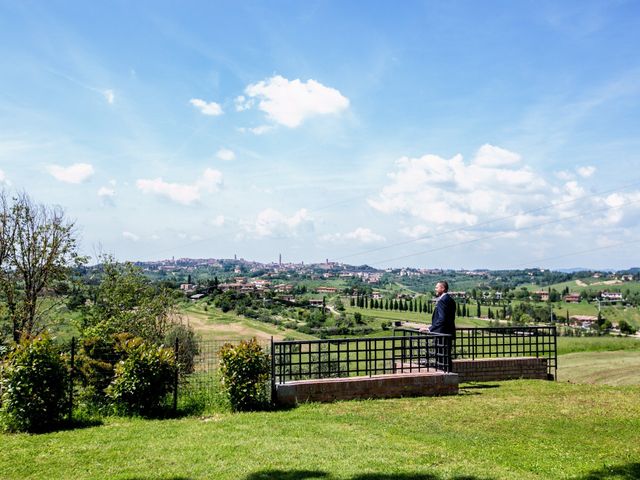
(445,284)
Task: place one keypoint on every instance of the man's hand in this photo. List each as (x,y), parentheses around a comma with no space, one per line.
(424,330)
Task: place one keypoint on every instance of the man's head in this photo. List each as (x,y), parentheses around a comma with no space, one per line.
(441,287)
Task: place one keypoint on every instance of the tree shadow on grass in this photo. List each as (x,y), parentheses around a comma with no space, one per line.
(317,474)
(629,471)
(177,477)
(287,475)
(475,388)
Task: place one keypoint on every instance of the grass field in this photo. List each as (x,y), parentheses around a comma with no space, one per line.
(213,324)
(379,316)
(597,344)
(602,368)
(509,430)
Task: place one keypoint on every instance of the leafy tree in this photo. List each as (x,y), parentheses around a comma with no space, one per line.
(626,328)
(38,248)
(127,302)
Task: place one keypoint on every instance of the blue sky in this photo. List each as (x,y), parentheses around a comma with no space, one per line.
(489,134)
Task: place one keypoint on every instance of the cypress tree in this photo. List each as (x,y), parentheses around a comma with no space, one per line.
(479,311)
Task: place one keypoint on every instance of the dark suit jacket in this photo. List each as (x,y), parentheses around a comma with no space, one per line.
(444,315)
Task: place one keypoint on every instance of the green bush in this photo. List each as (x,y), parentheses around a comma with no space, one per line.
(142,378)
(95,367)
(34,383)
(245,370)
(187,347)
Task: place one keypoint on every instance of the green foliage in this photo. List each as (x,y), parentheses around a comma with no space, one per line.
(34,380)
(626,328)
(142,378)
(126,302)
(245,370)
(187,346)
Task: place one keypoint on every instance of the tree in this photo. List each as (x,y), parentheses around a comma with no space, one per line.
(626,328)
(127,302)
(38,247)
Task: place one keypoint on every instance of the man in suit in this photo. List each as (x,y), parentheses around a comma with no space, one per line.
(444,311)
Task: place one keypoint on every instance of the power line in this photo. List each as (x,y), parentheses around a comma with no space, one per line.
(581,252)
(500,234)
(488,222)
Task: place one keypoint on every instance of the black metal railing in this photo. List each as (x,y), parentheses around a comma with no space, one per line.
(500,342)
(348,357)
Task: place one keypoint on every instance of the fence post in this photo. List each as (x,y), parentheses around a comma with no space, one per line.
(273,373)
(175,378)
(71,372)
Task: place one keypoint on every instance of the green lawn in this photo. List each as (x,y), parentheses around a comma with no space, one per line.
(509,430)
(597,344)
(603,368)
(378,316)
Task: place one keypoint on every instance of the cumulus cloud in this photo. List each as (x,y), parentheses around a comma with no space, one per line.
(450,192)
(359,235)
(76,173)
(131,236)
(225,154)
(184,194)
(586,172)
(492,156)
(291,102)
(273,223)
(211,108)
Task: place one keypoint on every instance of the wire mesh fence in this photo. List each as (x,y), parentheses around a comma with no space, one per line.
(93,364)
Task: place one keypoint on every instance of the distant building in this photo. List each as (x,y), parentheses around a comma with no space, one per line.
(327,290)
(611,296)
(544,295)
(583,321)
(572,298)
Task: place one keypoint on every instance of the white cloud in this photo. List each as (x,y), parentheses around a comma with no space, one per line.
(106,192)
(261,129)
(272,223)
(439,191)
(586,172)
(492,156)
(242,103)
(3,177)
(415,231)
(291,102)
(130,236)
(225,154)
(76,173)
(360,235)
(218,221)
(109,96)
(211,108)
(184,194)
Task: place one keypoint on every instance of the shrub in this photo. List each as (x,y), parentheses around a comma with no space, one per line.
(245,370)
(95,366)
(187,347)
(34,382)
(143,378)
